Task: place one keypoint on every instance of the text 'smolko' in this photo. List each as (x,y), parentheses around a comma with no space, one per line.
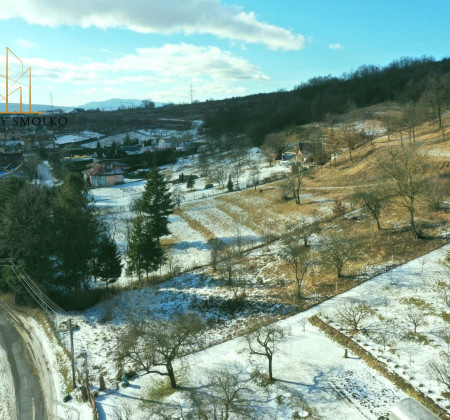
(33,121)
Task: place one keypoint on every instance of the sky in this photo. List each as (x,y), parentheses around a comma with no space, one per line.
(94,50)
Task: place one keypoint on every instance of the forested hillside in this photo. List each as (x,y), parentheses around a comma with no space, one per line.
(403,80)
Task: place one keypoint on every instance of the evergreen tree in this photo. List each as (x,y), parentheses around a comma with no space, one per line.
(99,150)
(26,233)
(77,230)
(144,252)
(107,262)
(9,187)
(230,185)
(156,204)
(190,182)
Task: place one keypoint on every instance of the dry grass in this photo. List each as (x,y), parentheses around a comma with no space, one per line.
(267,212)
(196,225)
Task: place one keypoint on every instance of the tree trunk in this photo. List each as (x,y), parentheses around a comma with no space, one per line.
(173,382)
(270,368)
(413,222)
(378,223)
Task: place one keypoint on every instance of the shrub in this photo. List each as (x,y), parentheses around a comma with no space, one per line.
(207,186)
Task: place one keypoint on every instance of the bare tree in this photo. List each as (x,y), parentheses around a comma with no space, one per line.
(264,339)
(305,230)
(353,312)
(223,398)
(407,168)
(424,259)
(371,130)
(391,123)
(231,271)
(274,145)
(219,174)
(445,336)
(122,411)
(156,344)
(338,251)
(384,335)
(217,247)
(439,370)
(254,174)
(295,180)
(415,316)
(303,322)
(371,199)
(292,253)
(351,137)
(436,95)
(177,196)
(332,144)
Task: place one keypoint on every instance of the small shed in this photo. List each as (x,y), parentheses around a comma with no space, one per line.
(410,409)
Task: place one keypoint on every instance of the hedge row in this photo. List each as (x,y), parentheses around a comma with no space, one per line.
(372,361)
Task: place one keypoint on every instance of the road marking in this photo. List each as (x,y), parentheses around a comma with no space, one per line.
(32,406)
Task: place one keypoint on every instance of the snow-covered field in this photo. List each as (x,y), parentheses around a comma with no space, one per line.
(408,293)
(191,248)
(310,367)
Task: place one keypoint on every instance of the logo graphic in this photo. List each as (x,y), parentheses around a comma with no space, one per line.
(17,79)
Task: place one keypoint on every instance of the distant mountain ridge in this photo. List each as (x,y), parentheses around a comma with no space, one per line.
(108,105)
(14,107)
(115,103)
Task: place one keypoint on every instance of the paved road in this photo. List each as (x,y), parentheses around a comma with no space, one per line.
(45,175)
(29,398)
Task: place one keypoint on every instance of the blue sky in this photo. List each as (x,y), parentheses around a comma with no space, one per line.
(82,50)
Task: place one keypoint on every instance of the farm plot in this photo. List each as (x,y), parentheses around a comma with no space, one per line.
(403,320)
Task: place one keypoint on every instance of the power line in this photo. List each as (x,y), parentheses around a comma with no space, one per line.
(34,290)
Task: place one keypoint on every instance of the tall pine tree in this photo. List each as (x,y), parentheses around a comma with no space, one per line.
(107,261)
(156,204)
(27,232)
(144,252)
(77,230)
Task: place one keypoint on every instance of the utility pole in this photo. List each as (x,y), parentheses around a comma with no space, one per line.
(88,387)
(71,354)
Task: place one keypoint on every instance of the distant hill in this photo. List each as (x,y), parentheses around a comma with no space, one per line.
(116,103)
(13,107)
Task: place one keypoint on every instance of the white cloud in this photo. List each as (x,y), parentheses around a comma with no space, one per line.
(154,16)
(25,43)
(170,60)
(189,61)
(335,46)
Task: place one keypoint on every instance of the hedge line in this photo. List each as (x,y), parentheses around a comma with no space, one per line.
(372,361)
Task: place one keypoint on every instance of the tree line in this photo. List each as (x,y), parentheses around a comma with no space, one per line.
(404,80)
(58,237)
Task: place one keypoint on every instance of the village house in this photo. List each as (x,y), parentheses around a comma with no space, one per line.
(104,174)
(164,144)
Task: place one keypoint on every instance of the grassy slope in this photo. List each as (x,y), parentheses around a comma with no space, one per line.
(268,212)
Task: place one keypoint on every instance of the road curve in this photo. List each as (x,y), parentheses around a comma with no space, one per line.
(29,397)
